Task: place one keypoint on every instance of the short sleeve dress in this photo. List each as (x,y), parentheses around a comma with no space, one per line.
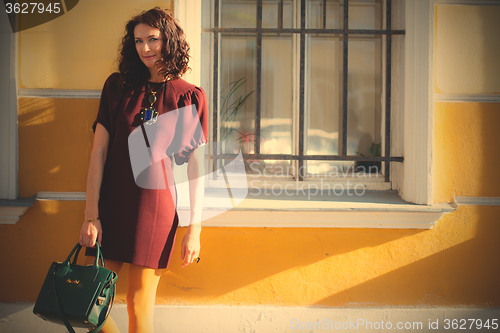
(139,224)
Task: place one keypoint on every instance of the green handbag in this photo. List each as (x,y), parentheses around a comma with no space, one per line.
(77,296)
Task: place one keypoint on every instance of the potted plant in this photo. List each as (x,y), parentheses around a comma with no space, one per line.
(370,166)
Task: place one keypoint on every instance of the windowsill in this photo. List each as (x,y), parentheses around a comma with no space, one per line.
(373,209)
(12,210)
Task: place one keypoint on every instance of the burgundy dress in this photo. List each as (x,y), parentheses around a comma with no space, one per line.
(139,223)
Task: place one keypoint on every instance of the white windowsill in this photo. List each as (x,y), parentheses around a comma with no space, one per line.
(374,209)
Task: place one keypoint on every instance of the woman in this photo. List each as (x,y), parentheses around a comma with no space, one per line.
(134,224)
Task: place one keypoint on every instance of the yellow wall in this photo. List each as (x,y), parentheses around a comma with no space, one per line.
(466,159)
(55,141)
(453,264)
(467,49)
(79,49)
(450,265)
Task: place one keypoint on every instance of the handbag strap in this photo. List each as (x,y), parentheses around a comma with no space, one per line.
(61,312)
(59,309)
(63,316)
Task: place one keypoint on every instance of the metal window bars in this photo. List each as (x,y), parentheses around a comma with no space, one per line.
(345,32)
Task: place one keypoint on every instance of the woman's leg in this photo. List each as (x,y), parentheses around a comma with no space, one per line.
(115,266)
(141,295)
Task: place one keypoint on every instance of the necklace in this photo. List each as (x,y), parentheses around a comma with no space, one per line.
(149,114)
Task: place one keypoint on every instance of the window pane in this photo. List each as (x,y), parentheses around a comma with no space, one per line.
(276,110)
(334,14)
(365,94)
(324,99)
(365,14)
(238,14)
(269,169)
(271,14)
(237,90)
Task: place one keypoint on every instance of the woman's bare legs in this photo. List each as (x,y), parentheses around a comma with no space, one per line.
(115,266)
(141,295)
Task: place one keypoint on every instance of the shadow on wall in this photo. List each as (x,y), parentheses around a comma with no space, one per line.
(268,264)
(462,274)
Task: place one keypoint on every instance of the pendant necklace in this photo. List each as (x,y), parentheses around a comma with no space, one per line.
(149,114)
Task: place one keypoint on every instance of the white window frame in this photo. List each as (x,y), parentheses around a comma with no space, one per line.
(413,177)
(413,125)
(8,113)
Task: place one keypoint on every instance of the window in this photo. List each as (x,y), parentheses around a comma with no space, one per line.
(303,88)
(411,84)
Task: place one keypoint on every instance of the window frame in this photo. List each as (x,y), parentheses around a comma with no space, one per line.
(413,94)
(8,113)
(302,33)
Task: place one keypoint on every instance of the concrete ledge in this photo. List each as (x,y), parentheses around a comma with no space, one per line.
(12,210)
(19,318)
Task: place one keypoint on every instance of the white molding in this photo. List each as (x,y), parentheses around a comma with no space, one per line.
(59,93)
(477,201)
(11,214)
(71,196)
(324,212)
(322,219)
(474,98)
(189,15)
(8,112)
(418,110)
(469,2)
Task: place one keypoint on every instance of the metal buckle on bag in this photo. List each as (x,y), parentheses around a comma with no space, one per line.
(100,300)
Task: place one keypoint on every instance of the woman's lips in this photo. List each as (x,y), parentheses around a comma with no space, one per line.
(149,57)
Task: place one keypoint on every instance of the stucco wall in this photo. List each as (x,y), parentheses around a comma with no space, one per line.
(453,264)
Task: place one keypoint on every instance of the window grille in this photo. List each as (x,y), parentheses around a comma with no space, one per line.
(302,29)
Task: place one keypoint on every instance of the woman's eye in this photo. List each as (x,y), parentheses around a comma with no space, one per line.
(137,41)
(154,39)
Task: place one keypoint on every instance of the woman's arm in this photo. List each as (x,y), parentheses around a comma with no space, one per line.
(190,248)
(92,230)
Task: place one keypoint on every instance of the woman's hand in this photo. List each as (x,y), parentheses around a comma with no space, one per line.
(90,232)
(190,248)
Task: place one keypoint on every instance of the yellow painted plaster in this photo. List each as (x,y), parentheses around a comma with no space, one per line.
(467,49)
(452,265)
(465,151)
(79,49)
(55,141)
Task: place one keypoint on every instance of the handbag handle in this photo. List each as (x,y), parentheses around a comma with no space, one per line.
(65,266)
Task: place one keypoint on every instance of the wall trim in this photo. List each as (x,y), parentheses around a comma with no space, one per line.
(387,212)
(477,201)
(64,196)
(469,2)
(59,93)
(472,98)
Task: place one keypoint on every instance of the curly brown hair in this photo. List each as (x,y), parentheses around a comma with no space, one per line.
(175,51)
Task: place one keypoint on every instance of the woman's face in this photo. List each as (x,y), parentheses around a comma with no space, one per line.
(148,43)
